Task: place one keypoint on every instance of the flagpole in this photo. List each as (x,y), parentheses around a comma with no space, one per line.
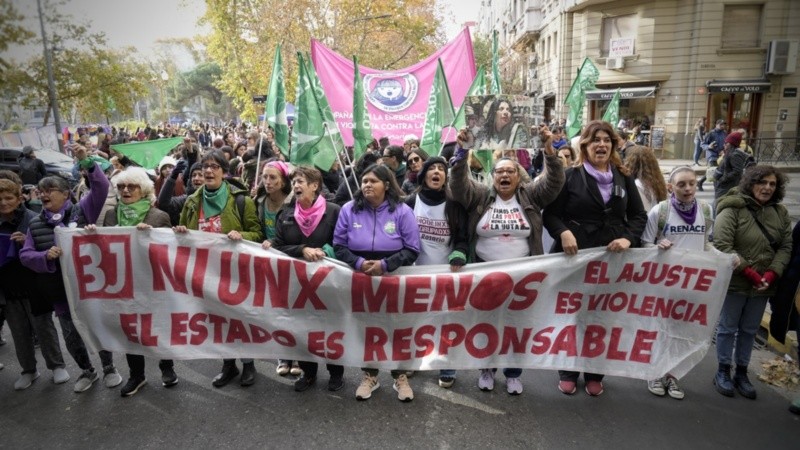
(341,166)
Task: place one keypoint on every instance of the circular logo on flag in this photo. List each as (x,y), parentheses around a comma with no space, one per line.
(391,92)
(390,227)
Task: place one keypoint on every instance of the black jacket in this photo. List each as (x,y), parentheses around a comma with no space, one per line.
(290,240)
(579,208)
(16,279)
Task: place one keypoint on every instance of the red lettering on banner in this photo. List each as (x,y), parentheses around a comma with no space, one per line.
(416,288)
(335,346)
(642,349)
(491,291)
(179,328)
(668,275)
(613,346)
(217,323)
(128,323)
(374,340)
(148,340)
(492,340)
(175,272)
(700,315)
(365,299)
(198,328)
(453,335)
(596,273)
(226,278)
(284,338)
(650,306)
(316,343)
(308,288)
(423,339)
(199,272)
(446,292)
(512,340)
(593,341)
(103,266)
(565,342)
(259,335)
(329,347)
(267,280)
(568,302)
(528,295)
(401,344)
(541,341)
(237,332)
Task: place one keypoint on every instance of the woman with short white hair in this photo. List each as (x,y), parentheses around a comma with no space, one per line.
(136,195)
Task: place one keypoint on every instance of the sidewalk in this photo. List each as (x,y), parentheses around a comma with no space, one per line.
(667,165)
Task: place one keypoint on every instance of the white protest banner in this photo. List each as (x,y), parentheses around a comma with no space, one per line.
(642,313)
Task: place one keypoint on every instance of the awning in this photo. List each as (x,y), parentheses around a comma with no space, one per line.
(736,86)
(631,92)
(547,95)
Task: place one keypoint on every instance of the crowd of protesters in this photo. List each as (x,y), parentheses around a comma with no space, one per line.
(600,190)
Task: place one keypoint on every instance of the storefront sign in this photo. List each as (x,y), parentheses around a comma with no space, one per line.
(737,86)
(789,92)
(608,94)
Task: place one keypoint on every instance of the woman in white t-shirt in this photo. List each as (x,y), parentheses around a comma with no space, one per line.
(504,220)
(681,221)
(643,166)
(442,227)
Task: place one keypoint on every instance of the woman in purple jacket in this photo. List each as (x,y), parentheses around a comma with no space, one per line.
(375,234)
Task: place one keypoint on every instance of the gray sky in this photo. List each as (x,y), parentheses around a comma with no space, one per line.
(140,23)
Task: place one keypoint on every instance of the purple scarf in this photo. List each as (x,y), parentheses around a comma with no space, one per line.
(687,211)
(605,180)
(308,219)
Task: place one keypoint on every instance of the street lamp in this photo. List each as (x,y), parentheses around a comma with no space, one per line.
(164,79)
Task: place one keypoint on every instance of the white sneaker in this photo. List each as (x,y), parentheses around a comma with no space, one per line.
(673,389)
(111,377)
(60,375)
(403,389)
(656,387)
(25,380)
(295,370)
(86,380)
(514,386)
(486,380)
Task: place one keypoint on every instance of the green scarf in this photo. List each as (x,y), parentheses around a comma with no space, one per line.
(133,214)
(214,202)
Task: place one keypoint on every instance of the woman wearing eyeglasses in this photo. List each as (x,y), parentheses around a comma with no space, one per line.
(752,224)
(222,207)
(413,165)
(135,193)
(599,205)
(504,219)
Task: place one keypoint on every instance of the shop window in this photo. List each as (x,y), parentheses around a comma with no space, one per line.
(617,27)
(741,26)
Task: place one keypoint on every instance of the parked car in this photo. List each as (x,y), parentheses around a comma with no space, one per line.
(55,163)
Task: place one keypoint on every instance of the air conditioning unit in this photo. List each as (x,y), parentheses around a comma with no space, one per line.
(615,63)
(782,57)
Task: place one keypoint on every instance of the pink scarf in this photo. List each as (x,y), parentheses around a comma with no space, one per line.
(308,219)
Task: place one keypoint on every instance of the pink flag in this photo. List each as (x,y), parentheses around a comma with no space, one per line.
(396,100)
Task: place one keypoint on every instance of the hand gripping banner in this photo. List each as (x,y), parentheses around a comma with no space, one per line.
(641,314)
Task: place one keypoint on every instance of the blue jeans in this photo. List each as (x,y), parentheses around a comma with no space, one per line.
(698,150)
(738,324)
(450,373)
(510,373)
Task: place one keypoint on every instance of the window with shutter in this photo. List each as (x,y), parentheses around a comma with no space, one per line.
(741,26)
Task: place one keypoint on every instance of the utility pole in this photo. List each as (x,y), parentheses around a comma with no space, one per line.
(51,84)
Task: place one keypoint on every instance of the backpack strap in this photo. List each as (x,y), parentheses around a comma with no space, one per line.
(708,216)
(239,198)
(663,209)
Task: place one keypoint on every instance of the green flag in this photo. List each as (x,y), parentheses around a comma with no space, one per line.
(587,77)
(486,158)
(439,115)
(612,111)
(311,143)
(497,89)
(333,142)
(148,153)
(478,87)
(362,132)
(275,112)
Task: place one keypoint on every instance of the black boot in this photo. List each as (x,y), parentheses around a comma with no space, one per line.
(742,383)
(228,372)
(248,374)
(723,380)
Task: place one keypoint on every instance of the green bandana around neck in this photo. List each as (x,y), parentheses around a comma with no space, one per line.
(214,202)
(133,214)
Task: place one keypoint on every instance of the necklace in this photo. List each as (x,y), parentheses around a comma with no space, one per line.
(273,206)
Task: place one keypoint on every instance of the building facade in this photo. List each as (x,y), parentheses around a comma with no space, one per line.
(675,61)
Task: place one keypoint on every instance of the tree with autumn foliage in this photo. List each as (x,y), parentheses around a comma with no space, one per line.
(244,34)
